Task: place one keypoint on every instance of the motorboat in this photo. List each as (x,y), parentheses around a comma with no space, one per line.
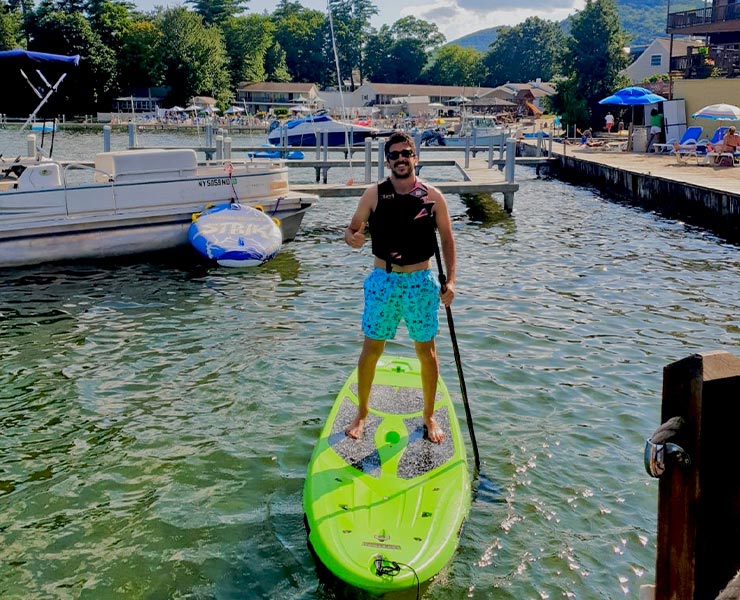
(129,202)
(473,131)
(309,130)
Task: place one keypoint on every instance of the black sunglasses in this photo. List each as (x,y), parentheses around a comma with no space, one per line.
(394,154)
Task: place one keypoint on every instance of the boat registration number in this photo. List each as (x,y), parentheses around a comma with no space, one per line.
(216,181)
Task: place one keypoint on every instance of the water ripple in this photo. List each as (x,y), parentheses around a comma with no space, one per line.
(158,417)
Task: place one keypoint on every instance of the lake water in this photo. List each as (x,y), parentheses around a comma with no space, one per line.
(157,417)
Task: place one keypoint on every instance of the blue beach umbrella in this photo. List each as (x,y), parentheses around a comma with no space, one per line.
(632,96)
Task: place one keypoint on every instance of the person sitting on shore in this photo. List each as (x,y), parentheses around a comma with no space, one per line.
(728,145)
(587,139)
(586,136)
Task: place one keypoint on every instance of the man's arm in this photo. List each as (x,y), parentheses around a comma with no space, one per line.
(354,235)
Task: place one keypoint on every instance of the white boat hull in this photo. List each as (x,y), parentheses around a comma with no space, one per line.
(146,206)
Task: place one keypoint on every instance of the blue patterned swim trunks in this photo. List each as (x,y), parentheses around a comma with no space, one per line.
(390,297)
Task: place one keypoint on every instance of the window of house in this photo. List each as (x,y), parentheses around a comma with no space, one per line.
(656,60)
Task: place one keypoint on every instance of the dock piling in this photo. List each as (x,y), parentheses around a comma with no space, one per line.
(381,159)
(219,147)
(510,160)
(698,505)
(368,159)
(131,135)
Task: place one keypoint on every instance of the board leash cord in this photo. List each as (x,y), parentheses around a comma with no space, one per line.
(393,568)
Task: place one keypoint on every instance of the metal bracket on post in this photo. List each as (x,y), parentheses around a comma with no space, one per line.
(658,450)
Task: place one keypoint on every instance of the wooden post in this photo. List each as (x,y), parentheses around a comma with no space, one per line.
(699,505)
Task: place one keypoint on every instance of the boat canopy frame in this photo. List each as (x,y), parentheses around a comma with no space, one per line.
(35,60)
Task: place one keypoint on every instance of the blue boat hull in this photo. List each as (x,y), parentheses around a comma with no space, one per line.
(336,138)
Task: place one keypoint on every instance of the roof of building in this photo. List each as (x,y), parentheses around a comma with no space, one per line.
(410,100)
(403,89)
(680,45)
(275,86)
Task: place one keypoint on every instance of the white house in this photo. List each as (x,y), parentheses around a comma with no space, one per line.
(654,60)
(264,95)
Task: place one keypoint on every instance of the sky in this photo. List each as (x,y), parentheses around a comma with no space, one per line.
(454,18)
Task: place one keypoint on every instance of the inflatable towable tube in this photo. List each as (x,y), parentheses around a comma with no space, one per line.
(235,235)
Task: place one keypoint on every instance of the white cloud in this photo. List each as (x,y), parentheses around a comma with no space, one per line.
(456,18)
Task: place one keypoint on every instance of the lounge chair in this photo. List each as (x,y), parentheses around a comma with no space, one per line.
(704,154)
(690,136)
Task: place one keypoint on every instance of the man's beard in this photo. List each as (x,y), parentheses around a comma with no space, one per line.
(406,175)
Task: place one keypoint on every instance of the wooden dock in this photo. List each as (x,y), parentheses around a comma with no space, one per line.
(480,176)
(701,194)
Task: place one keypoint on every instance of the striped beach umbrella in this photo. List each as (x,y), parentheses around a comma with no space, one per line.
(718,112)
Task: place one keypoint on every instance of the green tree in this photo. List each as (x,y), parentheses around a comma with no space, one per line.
(532,49)
(11,28)
(351,30)
(92,84)
(407,60)
(302,34)
(379,56)
(215,12)
(110,19)
(275,65)
(194,57)
(592,63)
(411,28)
(455,65)
(400,53)
(140,60)
(247,42)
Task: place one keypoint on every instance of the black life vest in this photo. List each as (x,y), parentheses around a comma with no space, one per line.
(402,225)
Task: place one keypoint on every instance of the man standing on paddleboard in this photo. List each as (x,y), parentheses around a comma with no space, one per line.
(402,213)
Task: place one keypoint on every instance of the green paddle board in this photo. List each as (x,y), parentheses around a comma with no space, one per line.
(385,512)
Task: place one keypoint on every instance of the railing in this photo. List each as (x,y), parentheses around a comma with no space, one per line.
(703,16)
(718,62)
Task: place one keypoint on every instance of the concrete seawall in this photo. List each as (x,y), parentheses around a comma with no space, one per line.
(701,195)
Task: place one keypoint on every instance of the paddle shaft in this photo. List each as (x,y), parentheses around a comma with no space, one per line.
(458,362)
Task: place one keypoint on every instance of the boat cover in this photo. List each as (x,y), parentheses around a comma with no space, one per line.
(38,57)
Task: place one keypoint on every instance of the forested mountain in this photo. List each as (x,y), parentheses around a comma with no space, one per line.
(644,20)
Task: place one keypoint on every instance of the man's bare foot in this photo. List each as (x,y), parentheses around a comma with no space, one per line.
(356,428)
(433,431)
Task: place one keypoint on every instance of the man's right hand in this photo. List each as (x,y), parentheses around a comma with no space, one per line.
(356,239)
